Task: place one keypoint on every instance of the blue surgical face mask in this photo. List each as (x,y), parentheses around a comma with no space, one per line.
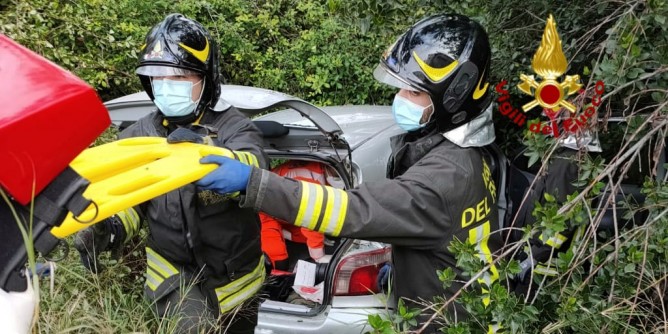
(407,114)
(173,97)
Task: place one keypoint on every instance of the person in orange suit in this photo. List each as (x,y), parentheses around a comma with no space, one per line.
(275,232)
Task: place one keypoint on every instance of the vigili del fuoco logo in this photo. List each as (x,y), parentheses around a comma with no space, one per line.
(549,64)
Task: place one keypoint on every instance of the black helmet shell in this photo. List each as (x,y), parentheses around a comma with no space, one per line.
(448,57)
(179,45)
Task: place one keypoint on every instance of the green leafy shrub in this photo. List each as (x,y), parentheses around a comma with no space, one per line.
(325,51)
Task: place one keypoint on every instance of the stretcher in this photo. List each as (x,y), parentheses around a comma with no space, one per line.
(131,171)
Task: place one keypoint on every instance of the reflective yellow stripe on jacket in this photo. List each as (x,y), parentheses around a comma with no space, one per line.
(130,220)
(479,236)
(247,158)
(555,241)
(233,294)
(322,208)
(158,269)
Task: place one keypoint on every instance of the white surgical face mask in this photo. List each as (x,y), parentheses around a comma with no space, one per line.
(174,97)
(407,114)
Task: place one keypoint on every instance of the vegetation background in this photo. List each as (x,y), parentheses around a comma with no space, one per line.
(325,52)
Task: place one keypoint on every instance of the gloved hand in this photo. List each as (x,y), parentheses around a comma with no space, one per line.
(183,135)
(384,275)
(17,309)
(105,235)
(231,176)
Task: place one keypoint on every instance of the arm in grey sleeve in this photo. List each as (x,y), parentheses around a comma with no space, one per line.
(240,134)
(411,211)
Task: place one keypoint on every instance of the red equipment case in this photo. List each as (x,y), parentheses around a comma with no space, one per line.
(47,116)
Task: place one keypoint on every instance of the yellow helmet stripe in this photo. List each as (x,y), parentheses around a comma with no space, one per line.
(202,55)
(479,92)
(435,74)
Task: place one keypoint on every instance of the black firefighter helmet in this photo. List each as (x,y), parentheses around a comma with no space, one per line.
(448,57)
(181,46)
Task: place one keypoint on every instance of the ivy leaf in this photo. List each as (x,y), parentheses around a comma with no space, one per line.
(549,198)
(629,268)
(375,321)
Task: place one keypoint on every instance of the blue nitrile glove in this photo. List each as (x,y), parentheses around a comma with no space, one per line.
(231,176)
(384,277)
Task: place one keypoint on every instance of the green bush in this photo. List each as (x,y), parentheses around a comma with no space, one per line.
(324,52)
(292,46)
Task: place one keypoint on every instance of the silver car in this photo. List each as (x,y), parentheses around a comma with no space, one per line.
(352,140)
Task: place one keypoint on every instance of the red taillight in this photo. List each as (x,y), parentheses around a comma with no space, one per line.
(357,274)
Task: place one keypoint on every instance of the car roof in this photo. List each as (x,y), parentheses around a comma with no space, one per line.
(359,123)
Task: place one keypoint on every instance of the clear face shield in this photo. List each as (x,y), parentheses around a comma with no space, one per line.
(177,92)
(164,71)
(386,76)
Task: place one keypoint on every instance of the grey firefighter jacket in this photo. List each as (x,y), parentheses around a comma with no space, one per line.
(438,191)
(195,232)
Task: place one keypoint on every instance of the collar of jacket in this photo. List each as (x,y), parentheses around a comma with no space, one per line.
(476,133)
(407,149)
(204,126)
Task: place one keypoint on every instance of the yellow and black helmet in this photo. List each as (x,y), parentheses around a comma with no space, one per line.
(181,46)
(448,57)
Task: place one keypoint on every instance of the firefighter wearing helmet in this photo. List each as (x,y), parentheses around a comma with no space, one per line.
(203,250)
(439,185)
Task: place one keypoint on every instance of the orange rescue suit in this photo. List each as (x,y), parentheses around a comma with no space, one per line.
(275,232)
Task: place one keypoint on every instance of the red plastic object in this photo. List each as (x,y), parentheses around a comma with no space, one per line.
(47,116)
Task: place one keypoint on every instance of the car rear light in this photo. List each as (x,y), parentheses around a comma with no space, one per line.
(357,274)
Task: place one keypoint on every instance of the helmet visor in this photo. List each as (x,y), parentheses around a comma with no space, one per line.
(163,71)
(384,75)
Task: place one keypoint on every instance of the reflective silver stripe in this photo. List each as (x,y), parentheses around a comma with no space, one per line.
(253,160)
(335,213)
(159,264)
(244,157)
(543,270)
(153,279)
(308,204)
(225,291)
(479,237)
(554,241)
(241,157)
(235,299)
(247,158)
(233,294)
(130,220)
(477,241)
(493,328)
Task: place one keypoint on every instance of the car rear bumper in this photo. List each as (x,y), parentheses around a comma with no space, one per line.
(331,320)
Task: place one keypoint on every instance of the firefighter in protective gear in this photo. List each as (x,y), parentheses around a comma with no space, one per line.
(203,250)
(275,232)
(439,186)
